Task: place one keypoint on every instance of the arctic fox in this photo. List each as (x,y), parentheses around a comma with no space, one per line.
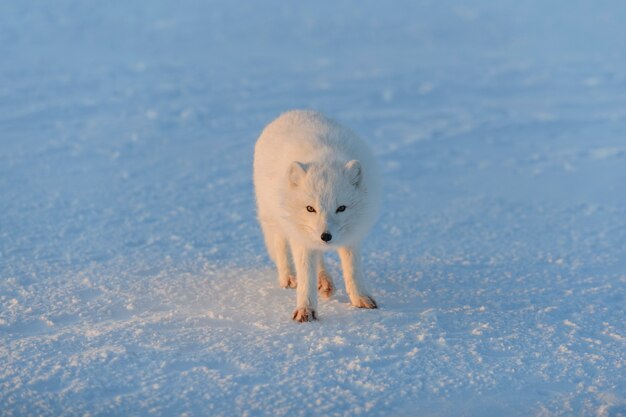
(317,189)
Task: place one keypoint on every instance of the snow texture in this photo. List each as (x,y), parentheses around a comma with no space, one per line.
(133,278)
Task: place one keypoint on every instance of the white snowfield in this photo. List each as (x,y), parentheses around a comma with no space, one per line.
(133,277)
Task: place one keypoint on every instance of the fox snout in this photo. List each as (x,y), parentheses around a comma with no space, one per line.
(326,237)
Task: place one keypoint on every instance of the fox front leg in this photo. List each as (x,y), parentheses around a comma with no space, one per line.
(353,276)
(306,304)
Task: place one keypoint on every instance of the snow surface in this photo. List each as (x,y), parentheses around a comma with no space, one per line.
(133,278)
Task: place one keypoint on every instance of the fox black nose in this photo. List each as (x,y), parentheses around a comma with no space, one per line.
(326,237)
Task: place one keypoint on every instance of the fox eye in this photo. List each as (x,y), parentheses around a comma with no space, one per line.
(310,209)
(341,209)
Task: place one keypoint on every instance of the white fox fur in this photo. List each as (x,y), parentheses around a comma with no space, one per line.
(317,188)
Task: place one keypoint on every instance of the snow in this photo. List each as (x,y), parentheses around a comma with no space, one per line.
(133,278)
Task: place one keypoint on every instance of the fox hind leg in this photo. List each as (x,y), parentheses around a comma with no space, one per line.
(325,284)
(278,251)
(286,276)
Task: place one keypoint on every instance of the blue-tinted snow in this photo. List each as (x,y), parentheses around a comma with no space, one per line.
(133,280)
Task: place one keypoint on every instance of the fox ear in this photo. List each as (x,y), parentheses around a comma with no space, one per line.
(353,170)
(296,172)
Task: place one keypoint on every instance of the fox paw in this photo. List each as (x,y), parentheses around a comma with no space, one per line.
(303,314)
(325,285)
(364,301)
(288,282)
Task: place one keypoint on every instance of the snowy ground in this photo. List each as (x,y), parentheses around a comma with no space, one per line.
(133,279)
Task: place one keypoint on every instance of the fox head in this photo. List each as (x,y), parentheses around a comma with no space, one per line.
(325,202)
